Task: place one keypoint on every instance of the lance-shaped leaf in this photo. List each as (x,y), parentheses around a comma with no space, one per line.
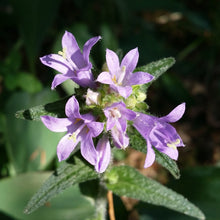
(156,68)
(64,177)
(138,143)
(126,181)
(55,109)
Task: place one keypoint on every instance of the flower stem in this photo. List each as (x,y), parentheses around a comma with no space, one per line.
(101,202)
(111,206)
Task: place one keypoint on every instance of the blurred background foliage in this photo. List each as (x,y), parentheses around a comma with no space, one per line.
(188,30)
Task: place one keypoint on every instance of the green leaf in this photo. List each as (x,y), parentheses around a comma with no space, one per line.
(15,192)
(157,68)
(138,143)
(168,163)
(126,181)
(29,145)
(55,109)
(64,177)
(200,185)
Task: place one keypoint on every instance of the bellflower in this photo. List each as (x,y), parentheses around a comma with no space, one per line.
(117,115)
(159,133)
(103,154)
(79,128)
(72,63)
(120,76)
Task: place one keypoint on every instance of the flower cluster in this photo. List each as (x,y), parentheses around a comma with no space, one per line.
(111,101)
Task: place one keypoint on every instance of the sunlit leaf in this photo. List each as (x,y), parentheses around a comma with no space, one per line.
(55,109)
(126,181)
(157,68)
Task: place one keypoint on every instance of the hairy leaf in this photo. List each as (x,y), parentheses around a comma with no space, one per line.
(64,177)
(157,68)
(138,143)
(126,181)
(55,109)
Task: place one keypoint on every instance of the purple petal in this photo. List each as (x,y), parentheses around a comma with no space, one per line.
(123,113)
(56,124)
(88,46)
(127,113)
(105,78)
(130,60)
(69,44)
(110,120)
(120,139)
(123,124)
(85,79)
(65,147)
(72,108)
(171,152)
(104,154)
(58,79)
(150,157)
(110,123)
(95,128)
(88,150)
(124,91)
(175,114)
(144,124)
(138,78)
(112,61)
(58,63)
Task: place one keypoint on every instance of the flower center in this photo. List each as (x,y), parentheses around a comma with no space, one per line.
(121,74)
(173,144)
(76,133)
(115,113)
(63,53)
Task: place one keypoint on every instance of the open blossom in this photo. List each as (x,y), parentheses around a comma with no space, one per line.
(120,76)
(158,133)
(117,115)
(79,128)
(72,63)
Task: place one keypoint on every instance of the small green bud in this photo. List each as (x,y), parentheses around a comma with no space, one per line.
(131,101)
(141,96)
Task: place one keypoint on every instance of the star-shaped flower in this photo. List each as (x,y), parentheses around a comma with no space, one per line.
(79,128)
(120,76)
(72,63)
(159,133)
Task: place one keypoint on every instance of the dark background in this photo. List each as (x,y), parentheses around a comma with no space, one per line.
(187,30)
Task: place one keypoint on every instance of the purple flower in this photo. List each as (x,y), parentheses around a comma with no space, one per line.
(158,133)
(117,115)
(104,154)
(121,77)
(72,63)
(80,128)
